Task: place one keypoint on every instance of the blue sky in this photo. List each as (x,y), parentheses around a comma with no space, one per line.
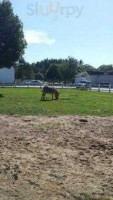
(60,28)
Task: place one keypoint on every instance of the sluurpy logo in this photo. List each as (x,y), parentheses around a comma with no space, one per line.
(54,10)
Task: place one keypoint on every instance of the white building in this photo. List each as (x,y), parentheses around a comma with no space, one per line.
(95,77)
(7,75)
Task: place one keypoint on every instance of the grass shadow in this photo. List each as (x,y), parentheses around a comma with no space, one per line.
(60,99)
(47,100)
(65,99)
(1,95)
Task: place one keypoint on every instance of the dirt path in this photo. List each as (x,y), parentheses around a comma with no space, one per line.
(60,158)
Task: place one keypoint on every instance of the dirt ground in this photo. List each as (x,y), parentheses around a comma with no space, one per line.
(56,158)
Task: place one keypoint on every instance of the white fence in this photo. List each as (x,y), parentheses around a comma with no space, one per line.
(98,88)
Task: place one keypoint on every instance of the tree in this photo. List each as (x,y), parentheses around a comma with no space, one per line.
(12,42)
(65,72)
(24,70)
(81,63)
(86,67)
(19,69)
(43,66)
(105,68)
(53,73)
(68,69)
(39,76)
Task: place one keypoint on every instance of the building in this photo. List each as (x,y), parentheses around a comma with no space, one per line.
(95,78)
(7,75)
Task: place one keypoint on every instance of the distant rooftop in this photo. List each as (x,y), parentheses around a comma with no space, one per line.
(100,73)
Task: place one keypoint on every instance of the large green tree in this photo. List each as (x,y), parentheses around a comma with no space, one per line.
(105,68)
(68,69)
(39,76)
(12,42)
(86,67)
(53,73)
(24,70)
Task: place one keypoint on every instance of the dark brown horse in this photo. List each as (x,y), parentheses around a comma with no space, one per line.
(50,90)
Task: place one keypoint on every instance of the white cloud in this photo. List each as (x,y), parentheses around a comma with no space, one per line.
(38,37)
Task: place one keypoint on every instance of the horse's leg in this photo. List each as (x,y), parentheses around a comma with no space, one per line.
(43,96)
(55,96)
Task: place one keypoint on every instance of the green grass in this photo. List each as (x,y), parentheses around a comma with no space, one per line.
(72,102)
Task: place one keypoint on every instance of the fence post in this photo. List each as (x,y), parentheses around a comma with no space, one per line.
(28,85)
(99,88)
(90,87)
(109,88)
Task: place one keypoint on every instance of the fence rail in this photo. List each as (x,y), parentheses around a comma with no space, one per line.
(98,88)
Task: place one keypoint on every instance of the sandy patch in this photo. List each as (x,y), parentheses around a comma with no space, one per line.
(55,158)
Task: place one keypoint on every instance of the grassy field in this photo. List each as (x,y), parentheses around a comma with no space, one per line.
(72,102)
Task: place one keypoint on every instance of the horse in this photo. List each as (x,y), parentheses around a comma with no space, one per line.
(50,90)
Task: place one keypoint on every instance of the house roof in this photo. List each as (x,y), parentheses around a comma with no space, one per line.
(100,73)
(95,73)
